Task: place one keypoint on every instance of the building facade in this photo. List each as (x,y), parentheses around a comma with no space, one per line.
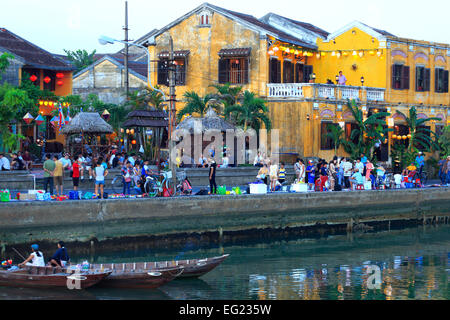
(294,66)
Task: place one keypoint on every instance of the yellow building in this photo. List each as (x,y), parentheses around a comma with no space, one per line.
(294,66)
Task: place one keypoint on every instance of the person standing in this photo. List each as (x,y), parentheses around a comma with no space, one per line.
(369,175)
(49,167)
(58,176)
(342,79)
(273,174)
(420,163)
(76,172)
(67,164)
(99,174)
(310,172)
(447,170)
(332,174)
(441,165)
(127,173)
(212,176)
(282,173)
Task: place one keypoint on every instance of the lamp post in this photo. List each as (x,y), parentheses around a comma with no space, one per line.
(362,81)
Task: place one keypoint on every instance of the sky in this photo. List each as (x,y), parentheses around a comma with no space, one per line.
(55,25)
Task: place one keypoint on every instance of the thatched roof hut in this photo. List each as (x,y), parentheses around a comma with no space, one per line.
(146,118)
(87,123)
(211,121)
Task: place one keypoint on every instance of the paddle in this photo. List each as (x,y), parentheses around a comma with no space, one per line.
(19,253)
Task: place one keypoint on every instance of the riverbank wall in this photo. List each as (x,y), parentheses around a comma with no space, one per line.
(167,222)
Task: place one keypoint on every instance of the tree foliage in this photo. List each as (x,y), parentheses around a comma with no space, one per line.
(80,58)
(196,104)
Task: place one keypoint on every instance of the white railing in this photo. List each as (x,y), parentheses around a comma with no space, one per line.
(375,94)
(285,90)
(325,91)
(349,93)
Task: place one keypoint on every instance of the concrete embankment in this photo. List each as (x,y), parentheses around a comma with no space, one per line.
(215,218)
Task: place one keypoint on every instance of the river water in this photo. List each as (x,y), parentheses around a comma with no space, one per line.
(414,263)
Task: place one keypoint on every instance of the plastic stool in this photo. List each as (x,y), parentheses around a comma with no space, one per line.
(359,187)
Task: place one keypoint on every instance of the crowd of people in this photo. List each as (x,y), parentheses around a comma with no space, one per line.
(344,174)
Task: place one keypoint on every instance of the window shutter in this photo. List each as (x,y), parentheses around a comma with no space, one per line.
(405,77)
(445,81)
(162,72)
(427,78)
(393,77)
(436,80)
(223,70)
(246,70)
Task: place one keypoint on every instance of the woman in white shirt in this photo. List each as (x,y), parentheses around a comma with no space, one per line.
(36,258)
(273,173)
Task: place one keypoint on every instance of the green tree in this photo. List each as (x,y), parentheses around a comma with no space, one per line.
(4,62)
(227,94)
(80,58)
(196,104)
(145,99)
(367,133)
(335,134)
(250,112)
(444,141)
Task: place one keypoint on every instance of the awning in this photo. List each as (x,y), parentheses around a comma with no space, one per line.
(176,54)
(235,52)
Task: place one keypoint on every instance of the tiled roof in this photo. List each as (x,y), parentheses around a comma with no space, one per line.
(138,67)
(383,32)
(30,53)
(305,25)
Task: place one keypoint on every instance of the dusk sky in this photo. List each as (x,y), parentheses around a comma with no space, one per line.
(57,25)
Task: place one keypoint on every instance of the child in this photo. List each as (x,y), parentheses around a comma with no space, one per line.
(76,172)
(273,173)
(310,173)
(99,174)
(282,174)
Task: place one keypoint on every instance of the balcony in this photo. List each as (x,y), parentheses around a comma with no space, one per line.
(323,91)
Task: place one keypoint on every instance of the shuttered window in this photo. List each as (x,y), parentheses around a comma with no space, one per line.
(307,72)
(422,79)
(180,72)
(288,72)
(440,80)
(233,70)
(299,73)
(275,71)
(400,77)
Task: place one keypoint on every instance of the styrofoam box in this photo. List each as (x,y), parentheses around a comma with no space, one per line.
(258,188)
(367,185)
(299,187)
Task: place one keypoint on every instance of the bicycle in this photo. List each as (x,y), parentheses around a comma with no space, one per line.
(160,184)
(117,184)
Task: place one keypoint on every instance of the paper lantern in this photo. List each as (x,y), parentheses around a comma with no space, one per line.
(60,75)
(394,136)
(33,78)
(59,82)
(133,141)
(39,120)
(132,131)
(54,121)
(28,118)
(47,79)
(67,120)
(41,102)
(404,137)
(409,136)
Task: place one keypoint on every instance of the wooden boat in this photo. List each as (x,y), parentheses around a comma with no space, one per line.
(127,275)
(191,267)
(51,277)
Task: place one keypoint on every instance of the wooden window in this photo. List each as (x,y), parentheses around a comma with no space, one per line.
(326,143)
(440,80)
(233,70)
(288,72)
(400,77)
(349,128)
(422,79)
(275,71)
(180,72)
(307,71)
(299,78)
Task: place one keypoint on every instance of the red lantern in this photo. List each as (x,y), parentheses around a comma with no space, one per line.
(133,141)
(59,82)
(33,78)
(60,75)
(47,79)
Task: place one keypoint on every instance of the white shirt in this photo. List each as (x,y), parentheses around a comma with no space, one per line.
(273,171)
(347,166)
(4,163)
(37,261)
(225,162)
(99,173)
(65,162)
(359,167)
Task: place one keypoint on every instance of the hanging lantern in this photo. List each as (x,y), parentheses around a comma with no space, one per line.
(59,82)
(106,115)
(318,55)
(399,137)
(275,49)
(28,118)
(47,79)
(271,52)
(127,131)
(39,120)
(361,54)
(345,53)
(121,130)
(54,121)
(41,102)
(60,75)
(404,137)
(67,120)
(385,141)
(333,54)
(33,78)
(132,131)
(133,142)
(409,136)
(394,136)
(45,103)
(354,53)
(372,52)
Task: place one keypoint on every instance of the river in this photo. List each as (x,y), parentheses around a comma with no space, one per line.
(414,263)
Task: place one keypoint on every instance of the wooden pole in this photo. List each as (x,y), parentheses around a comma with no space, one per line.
(172,110)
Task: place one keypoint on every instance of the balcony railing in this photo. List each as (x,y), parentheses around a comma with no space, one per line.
(324,91)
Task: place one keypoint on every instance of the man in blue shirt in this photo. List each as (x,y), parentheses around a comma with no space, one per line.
(61,257)
(420,162)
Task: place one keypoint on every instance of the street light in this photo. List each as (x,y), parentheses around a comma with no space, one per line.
(362,81)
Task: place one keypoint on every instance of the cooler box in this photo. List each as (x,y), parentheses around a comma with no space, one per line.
(368,185)
(258,188)
(299,187)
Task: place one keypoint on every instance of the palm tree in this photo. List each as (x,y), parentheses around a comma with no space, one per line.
(197,104)
(367,132)
(251,112)
(335,134)
(227,94)
(421,137)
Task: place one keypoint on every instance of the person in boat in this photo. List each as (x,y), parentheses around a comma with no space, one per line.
(61,257)
(36,258)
